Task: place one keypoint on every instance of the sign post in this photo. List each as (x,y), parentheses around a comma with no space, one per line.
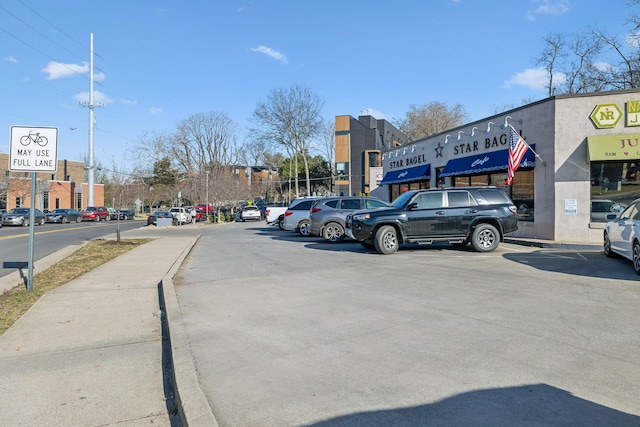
(33,149)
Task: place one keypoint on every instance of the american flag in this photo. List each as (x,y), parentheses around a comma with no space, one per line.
(517,150)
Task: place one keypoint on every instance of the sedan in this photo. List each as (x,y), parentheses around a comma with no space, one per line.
(153,218)
(63,216)
(622,234)
(122,214)
(20,216)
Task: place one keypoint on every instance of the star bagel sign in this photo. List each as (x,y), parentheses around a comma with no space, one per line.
(33,149)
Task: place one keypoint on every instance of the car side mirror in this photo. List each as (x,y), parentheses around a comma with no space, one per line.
(412,206)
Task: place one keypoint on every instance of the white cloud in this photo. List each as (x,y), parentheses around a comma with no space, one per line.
(99,98)
(533,78)
(155,111)
(10,59)
(278,56)
(58,70)
(128,101)
(548,7)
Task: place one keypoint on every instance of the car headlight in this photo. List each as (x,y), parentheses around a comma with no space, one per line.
(360,217)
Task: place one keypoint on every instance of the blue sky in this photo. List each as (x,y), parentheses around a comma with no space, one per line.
(158,61)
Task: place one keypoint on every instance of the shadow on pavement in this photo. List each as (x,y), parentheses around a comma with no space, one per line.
(529,405)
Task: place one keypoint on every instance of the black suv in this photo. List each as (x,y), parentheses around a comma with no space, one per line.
(481,216)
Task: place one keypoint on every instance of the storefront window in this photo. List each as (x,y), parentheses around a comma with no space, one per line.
(341,171)
(613,185)
(521,190)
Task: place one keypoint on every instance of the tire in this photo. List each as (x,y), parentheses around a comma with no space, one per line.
(333,232)
(25,223)
(78,220)
(636,257)
(386,240)
(280,224)
(42,221)
(607,246)
(64,220)
(304,228)
(485,238)
(97,218)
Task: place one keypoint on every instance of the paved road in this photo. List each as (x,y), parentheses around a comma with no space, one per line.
(290,331)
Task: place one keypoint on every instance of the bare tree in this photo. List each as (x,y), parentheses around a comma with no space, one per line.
(552,53)
(429,119)
(290,118)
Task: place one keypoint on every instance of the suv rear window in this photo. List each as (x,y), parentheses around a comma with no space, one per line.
(490,196)
(304,205)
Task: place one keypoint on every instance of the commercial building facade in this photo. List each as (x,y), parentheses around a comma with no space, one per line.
(63,189)
(587,148)
(358,149)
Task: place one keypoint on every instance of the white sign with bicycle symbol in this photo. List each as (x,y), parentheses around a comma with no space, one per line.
(33,149)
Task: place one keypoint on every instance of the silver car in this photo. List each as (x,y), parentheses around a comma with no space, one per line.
(327,217)
(20,216)
(622,234)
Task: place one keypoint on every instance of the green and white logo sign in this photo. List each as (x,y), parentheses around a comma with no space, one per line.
(606,115)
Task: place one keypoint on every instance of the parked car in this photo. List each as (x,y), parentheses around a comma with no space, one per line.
(481,216)
(153,218)
(201,215)
(123,214)
(600,208)
(21,216)
(63,216)
(250,213)
(327,216)
(296,217)
(622,234)
(181,214)
(274,214)
(206,207)
(95,213)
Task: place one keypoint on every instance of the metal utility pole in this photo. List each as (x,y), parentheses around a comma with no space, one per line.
(91,161)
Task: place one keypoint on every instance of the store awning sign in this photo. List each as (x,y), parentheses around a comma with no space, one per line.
(405,175)
(486,162)
(614,147)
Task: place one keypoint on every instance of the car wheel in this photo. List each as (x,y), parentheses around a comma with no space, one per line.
(636,257)
(607,246)
(97,218)
(304,228)
(485,238)
(280,223)
(64,220)
(333,232)
(78,220)
(25,222)
(386,240)
(42,221)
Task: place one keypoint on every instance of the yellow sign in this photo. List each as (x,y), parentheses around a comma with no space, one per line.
(633,113)
(606,115)
(614,147)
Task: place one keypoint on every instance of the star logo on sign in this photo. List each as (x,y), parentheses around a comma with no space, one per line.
(439,150)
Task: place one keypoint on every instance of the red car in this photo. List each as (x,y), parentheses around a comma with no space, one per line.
(95,213)
(206,207)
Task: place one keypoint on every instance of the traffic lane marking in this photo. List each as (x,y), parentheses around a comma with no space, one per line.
(48,231)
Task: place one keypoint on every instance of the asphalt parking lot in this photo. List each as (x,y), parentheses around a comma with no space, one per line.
(292,331)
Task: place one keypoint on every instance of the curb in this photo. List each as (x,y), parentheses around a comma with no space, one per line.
(553,244)
(193,406)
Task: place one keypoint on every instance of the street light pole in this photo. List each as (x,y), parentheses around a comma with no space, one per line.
(208,211)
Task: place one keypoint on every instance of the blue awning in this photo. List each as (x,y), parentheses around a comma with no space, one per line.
(405,175)
(493,161)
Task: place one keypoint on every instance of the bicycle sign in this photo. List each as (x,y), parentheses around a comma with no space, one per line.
(34,137)
(33,149)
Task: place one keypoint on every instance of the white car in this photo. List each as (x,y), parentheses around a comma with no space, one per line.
(622,234)
(296,217)
(181,214)
(250,213)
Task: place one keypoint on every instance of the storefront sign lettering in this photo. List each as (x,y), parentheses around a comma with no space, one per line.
(409,161)
(489,143)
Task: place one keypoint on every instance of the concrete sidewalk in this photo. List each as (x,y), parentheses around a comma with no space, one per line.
(91,352)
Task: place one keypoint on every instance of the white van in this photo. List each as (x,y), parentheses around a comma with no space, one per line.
(182,215)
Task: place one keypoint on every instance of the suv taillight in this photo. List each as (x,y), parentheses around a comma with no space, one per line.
(513,210)
(314,209)
(287,213)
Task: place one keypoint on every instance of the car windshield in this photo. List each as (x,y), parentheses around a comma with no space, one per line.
(91,208)
(59,211)
(19,210)
(402,199)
